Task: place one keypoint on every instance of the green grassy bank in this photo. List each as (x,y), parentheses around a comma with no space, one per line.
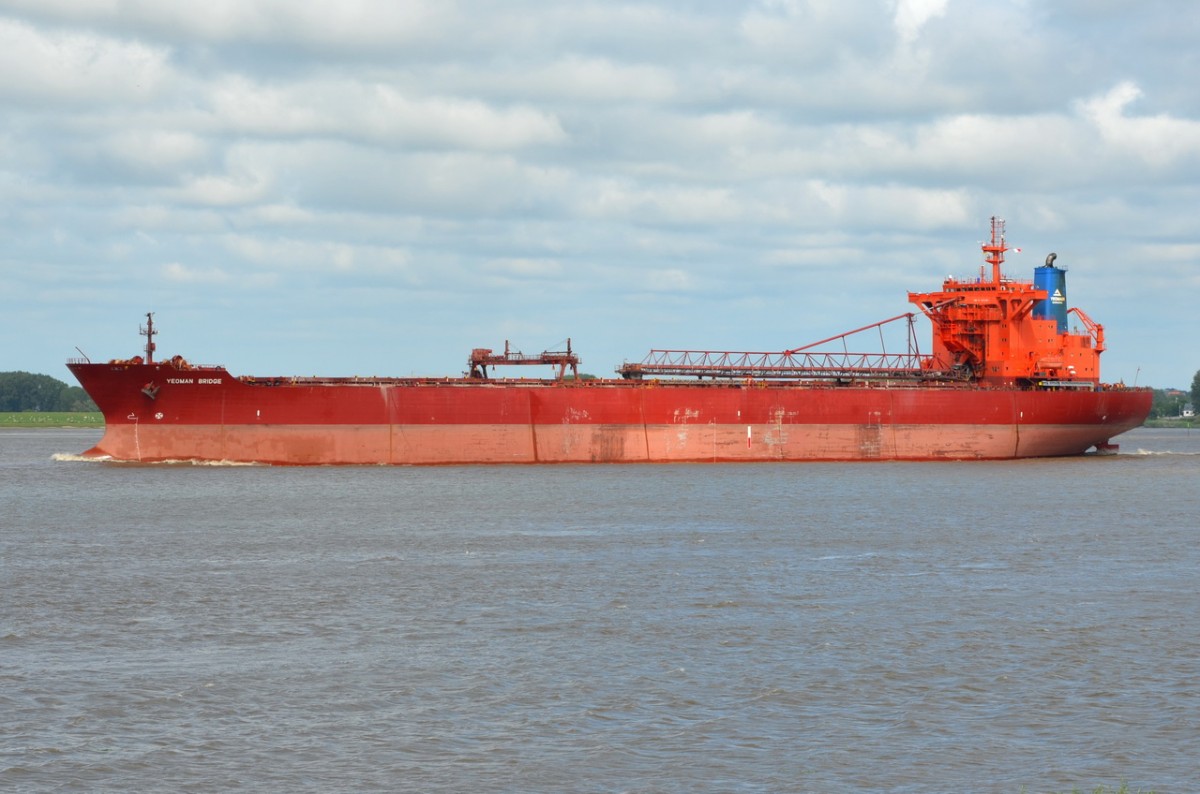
(51,419)
(1177,422)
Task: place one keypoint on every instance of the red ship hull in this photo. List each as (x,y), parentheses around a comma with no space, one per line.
(1006,378)
(156,412)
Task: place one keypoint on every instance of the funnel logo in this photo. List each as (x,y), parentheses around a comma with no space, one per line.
(1057,297)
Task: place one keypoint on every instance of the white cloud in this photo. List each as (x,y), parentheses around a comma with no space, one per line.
(223,190)
(174,271)
(43,67)
(1158,140)
(294,256)
(912,15)
(348,24)
(814,34)
(375,112)
(155,150)
(673,280)
(592,79)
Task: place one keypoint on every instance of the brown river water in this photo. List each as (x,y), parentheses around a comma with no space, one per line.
(907,627)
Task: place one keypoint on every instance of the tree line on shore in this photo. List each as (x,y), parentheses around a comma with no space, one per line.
(26,391)
(1170,403)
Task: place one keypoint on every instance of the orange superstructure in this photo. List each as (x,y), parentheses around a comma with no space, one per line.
(1005,332)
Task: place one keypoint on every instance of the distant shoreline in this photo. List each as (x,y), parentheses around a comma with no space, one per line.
(28,419)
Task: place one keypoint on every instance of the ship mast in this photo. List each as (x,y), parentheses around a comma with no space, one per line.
(995,250)
(149,333)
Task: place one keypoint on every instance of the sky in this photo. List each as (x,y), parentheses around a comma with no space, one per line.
(375,187)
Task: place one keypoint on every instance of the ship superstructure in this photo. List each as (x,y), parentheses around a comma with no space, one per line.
(1005,332)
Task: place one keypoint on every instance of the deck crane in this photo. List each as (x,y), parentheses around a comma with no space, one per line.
(482,357)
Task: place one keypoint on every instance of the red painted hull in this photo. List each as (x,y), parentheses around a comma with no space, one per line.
(154,412)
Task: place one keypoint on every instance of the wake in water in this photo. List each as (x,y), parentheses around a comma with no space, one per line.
(1165,453)
(76,458)
(72,457)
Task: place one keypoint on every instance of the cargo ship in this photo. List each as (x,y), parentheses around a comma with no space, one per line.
(1004,377)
